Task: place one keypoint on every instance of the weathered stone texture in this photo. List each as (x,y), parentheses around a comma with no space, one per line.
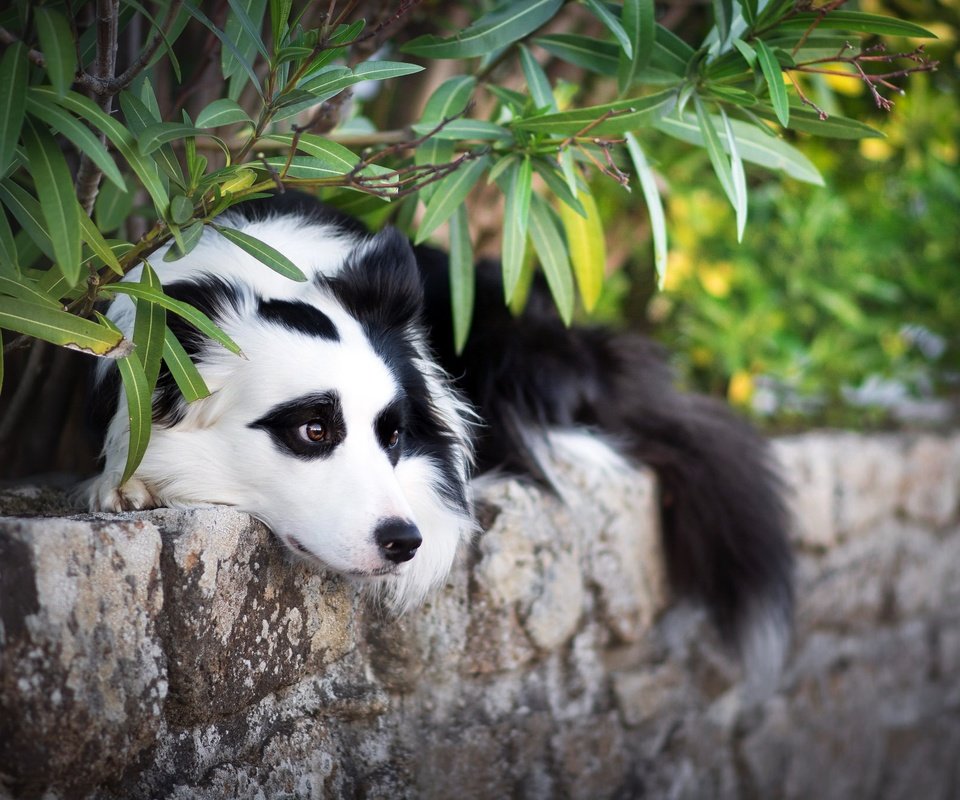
(181,654)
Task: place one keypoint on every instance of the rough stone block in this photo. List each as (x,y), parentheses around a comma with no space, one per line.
(83,677)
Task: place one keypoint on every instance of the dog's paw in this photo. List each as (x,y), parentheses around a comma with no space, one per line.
(132,496)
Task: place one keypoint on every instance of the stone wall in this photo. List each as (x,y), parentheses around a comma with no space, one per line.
(179,654)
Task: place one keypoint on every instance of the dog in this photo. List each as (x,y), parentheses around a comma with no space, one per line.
(342,429)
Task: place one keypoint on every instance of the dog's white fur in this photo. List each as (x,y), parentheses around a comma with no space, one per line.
(329,507)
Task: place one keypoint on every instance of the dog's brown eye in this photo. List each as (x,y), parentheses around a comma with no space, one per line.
(313,431)
(394,438)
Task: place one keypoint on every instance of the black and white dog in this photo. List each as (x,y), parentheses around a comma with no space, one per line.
(342,430)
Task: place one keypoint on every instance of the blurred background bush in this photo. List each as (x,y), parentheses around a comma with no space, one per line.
(842,304)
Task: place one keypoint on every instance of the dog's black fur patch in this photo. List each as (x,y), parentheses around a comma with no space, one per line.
(296,315)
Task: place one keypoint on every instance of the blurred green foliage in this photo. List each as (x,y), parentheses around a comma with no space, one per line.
(840,301)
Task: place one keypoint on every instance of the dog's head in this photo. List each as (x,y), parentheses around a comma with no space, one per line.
(336,428)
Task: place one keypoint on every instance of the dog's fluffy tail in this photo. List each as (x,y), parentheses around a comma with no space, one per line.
(724,517)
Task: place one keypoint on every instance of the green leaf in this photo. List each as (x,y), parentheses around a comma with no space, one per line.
(629,115)
(183,370)
(195,317)
(723,17)
(587,248)
(500,28)
(560,184)
(384,70)
(834,127)
(552,251)
(80,135)
(148,329)
(263,253)
(9,260)
(450,98)
(754,145)
(459,130)
(537,81)
(711,142)
(112,208)
(146,169)
(58,204)
(60,328)
(161,133)
(136,390)
(189,238)
(25,290)
(181,209)
(462,277)
(26,211)
(774,78)
(612,24)
(651,195)
(591,54)
(59,51)
(739,179)
(517,186)
(244,62)
(335,158)
(640,27)
(855,21)
(94,239)
(251,32)
(451,192)
(222,112)
(13,79)
(310,168)
(279,15)
(748,53)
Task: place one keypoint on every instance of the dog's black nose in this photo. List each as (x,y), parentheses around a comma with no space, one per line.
(398,539)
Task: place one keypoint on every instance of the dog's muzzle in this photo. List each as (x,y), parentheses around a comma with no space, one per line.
(397,539)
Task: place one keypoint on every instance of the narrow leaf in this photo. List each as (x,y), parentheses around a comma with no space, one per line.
(834,127)
(136,390)
(711,142)
(537,81)
(639,24)
(146,169)
(195,317)
(591,54)
(189,238)
(517,186)
(59,51)
(754,145)
(335,157)
(774,78)
(498,29)
(24,289)
(263,253)
(60,328)
(624,115)
(245,62)
(739,179)
(462,277)
(161,133)
(112,208)
(449,99)
(221,112)
(612,24)
(856,21)
(459,130)
(58,203)
(26,211)
(13,78)
(80,135)
(450,193)
(552,251)
(585,241)
(9,260)
(148,329)
(560,184)
(94,239)
(183,370)
(651,195)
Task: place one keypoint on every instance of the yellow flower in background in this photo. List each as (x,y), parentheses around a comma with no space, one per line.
(875,149)
(741,387)
(679,269)
(716,278)
(850,87)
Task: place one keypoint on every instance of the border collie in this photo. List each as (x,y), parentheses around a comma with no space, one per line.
(342,430)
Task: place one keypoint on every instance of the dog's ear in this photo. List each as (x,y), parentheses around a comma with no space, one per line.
(380,285)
